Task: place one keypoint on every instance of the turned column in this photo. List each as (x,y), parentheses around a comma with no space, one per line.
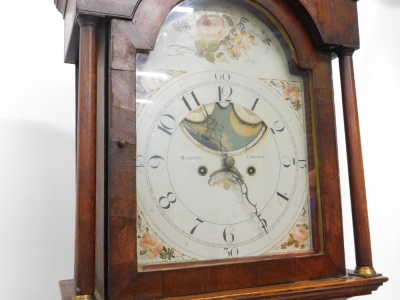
(86,161)
(355,165)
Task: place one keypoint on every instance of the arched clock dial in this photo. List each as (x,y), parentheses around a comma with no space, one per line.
(221,169)
(222,151)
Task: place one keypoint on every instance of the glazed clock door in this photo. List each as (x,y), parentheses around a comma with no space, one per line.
(228,176)
(225,156)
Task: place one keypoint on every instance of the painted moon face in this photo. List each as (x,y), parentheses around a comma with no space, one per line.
(200,114)
(219,128)
(246,115)
(244,129)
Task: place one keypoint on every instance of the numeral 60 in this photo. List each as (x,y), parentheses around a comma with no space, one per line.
(222,76)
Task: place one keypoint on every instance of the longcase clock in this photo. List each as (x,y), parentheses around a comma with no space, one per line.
(206,150)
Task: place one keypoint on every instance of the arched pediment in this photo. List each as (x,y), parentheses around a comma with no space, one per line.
(326,22)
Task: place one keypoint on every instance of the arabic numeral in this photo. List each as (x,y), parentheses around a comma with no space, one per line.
(194,228)
(302,163)
(231,252)
(154,162)
(186,101)
(165,201)
(288,162)
(228,234)
(254,104)
(167,123)
(140,163)
(278,127)
(224,93)
(283,196)
(222,76)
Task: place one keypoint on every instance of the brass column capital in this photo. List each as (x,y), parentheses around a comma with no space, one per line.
(87,20)
(345,51)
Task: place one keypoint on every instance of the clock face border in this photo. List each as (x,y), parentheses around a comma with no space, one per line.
(126,41)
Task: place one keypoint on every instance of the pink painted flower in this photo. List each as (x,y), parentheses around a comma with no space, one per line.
(148,240)
(155,250)
(300,234)
(241,44)
(211,28)
(292,92)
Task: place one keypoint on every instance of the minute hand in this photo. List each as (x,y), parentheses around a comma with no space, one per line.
(237,176)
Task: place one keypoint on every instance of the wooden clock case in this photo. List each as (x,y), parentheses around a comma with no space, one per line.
(102,38)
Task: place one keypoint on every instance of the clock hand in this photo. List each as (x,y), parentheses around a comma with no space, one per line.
(229,162)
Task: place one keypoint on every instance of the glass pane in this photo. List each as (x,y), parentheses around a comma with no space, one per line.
(224,143)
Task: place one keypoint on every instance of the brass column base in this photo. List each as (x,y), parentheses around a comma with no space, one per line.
(364,272)
(84,297)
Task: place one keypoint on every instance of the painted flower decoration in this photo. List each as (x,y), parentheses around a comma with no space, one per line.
(230,16)
(151,247)
(221,36)
(300,234)
(211,28)
(155,250)
(148,240)
(291,92)
(221,57)
(241,44)
(297,237)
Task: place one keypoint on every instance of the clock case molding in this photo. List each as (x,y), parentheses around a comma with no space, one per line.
(102,38)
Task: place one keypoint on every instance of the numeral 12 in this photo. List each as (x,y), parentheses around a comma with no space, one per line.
(224,93)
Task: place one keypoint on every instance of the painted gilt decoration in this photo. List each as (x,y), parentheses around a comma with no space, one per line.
(292,92)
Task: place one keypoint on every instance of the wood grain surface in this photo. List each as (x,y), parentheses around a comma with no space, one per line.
(358,195)
(86,159)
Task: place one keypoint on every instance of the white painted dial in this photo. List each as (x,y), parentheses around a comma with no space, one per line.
(188,192)
(222,158)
